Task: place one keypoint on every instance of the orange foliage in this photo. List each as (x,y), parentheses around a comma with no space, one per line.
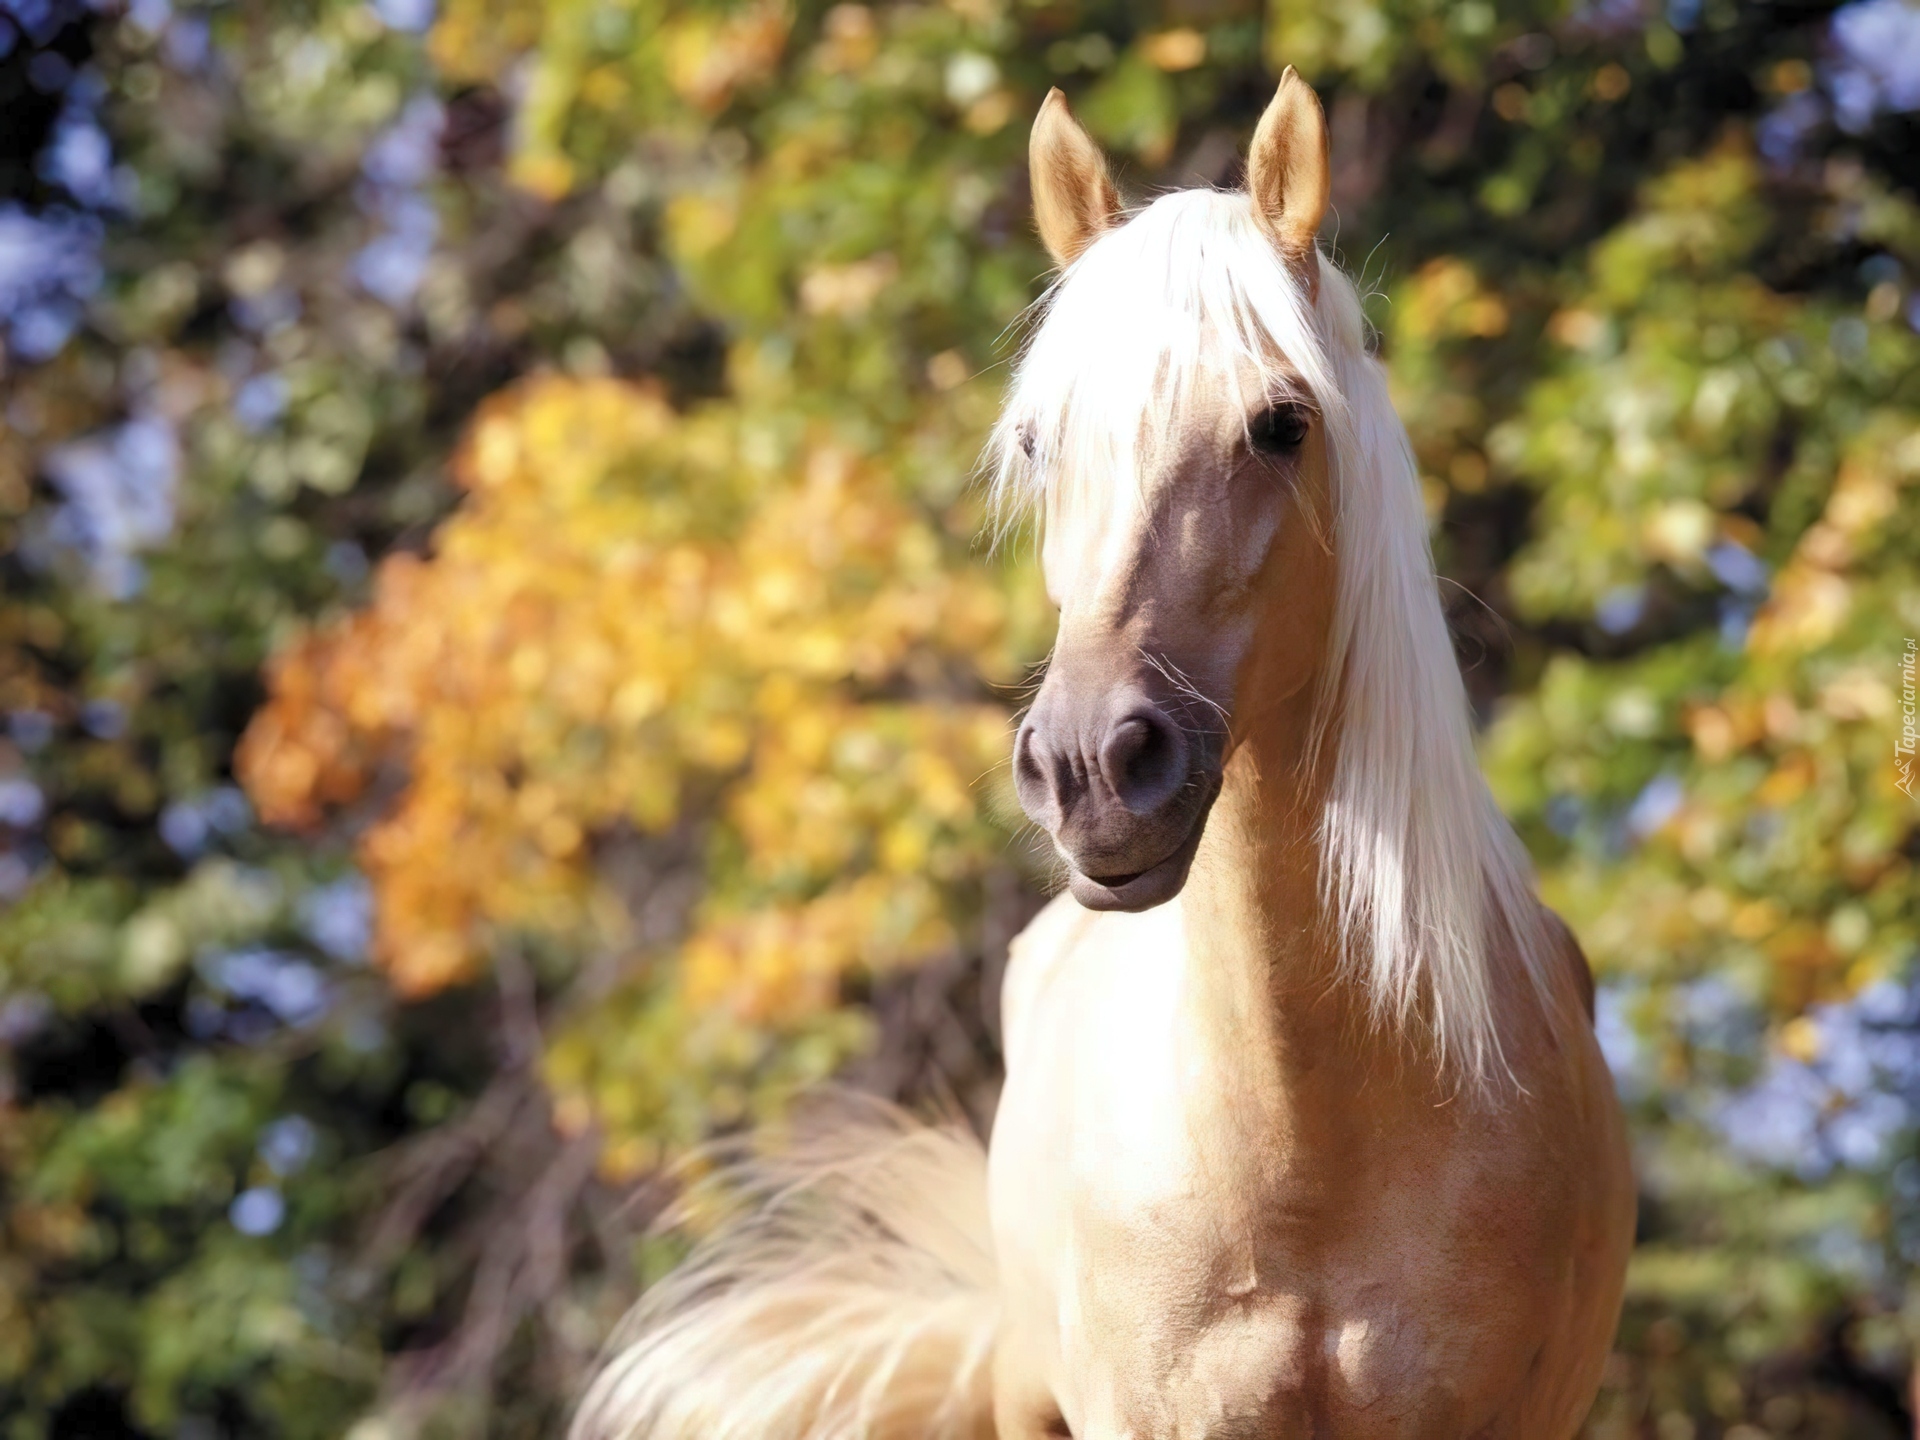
(631,610)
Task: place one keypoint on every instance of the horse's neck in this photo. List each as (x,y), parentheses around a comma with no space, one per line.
(1266,985)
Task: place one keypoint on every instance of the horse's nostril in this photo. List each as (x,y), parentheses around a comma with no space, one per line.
(1036,777)
(1143,760)
(1026,765)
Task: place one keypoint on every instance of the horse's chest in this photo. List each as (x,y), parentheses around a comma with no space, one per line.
(1200,1264)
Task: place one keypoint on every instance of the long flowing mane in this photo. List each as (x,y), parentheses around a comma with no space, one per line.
(1420,870)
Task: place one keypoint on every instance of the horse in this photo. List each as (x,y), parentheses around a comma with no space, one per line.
(1305,1132)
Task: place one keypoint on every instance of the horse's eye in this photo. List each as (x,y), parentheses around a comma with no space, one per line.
(1028,443)
(1278,431)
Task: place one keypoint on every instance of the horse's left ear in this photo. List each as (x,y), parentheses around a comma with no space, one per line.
(1289,175)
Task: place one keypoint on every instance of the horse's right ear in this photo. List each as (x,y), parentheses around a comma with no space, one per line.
(1073,196)
(1289,175)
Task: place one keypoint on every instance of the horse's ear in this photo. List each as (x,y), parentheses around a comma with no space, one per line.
(1288,173)
(1073,196)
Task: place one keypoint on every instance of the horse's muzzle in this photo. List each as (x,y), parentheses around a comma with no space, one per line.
(1121,787)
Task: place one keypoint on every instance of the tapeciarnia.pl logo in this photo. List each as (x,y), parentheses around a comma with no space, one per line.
(1903,746)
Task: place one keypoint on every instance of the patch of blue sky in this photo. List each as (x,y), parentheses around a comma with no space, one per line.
(260,402)
(49,269)
(1845,1101)
(286,1145)
(1658,802)
(117,492)
(1737,568)
(257,1211)
(22,804)
(1620,609)
(392,265)
(338,918)
(410,16)
(292,989)
(188,826)
(1876,63)
(1627,1055)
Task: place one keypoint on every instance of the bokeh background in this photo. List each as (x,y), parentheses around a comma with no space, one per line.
(500,681)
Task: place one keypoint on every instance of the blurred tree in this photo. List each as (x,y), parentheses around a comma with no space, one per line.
(657,697)
(254,272)
(723,625)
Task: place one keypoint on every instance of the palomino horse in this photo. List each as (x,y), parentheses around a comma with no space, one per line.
(1305,1132)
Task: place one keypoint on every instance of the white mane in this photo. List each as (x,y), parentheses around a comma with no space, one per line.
(1419,867)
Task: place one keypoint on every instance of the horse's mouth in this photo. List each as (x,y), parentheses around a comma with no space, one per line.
(1141,889)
